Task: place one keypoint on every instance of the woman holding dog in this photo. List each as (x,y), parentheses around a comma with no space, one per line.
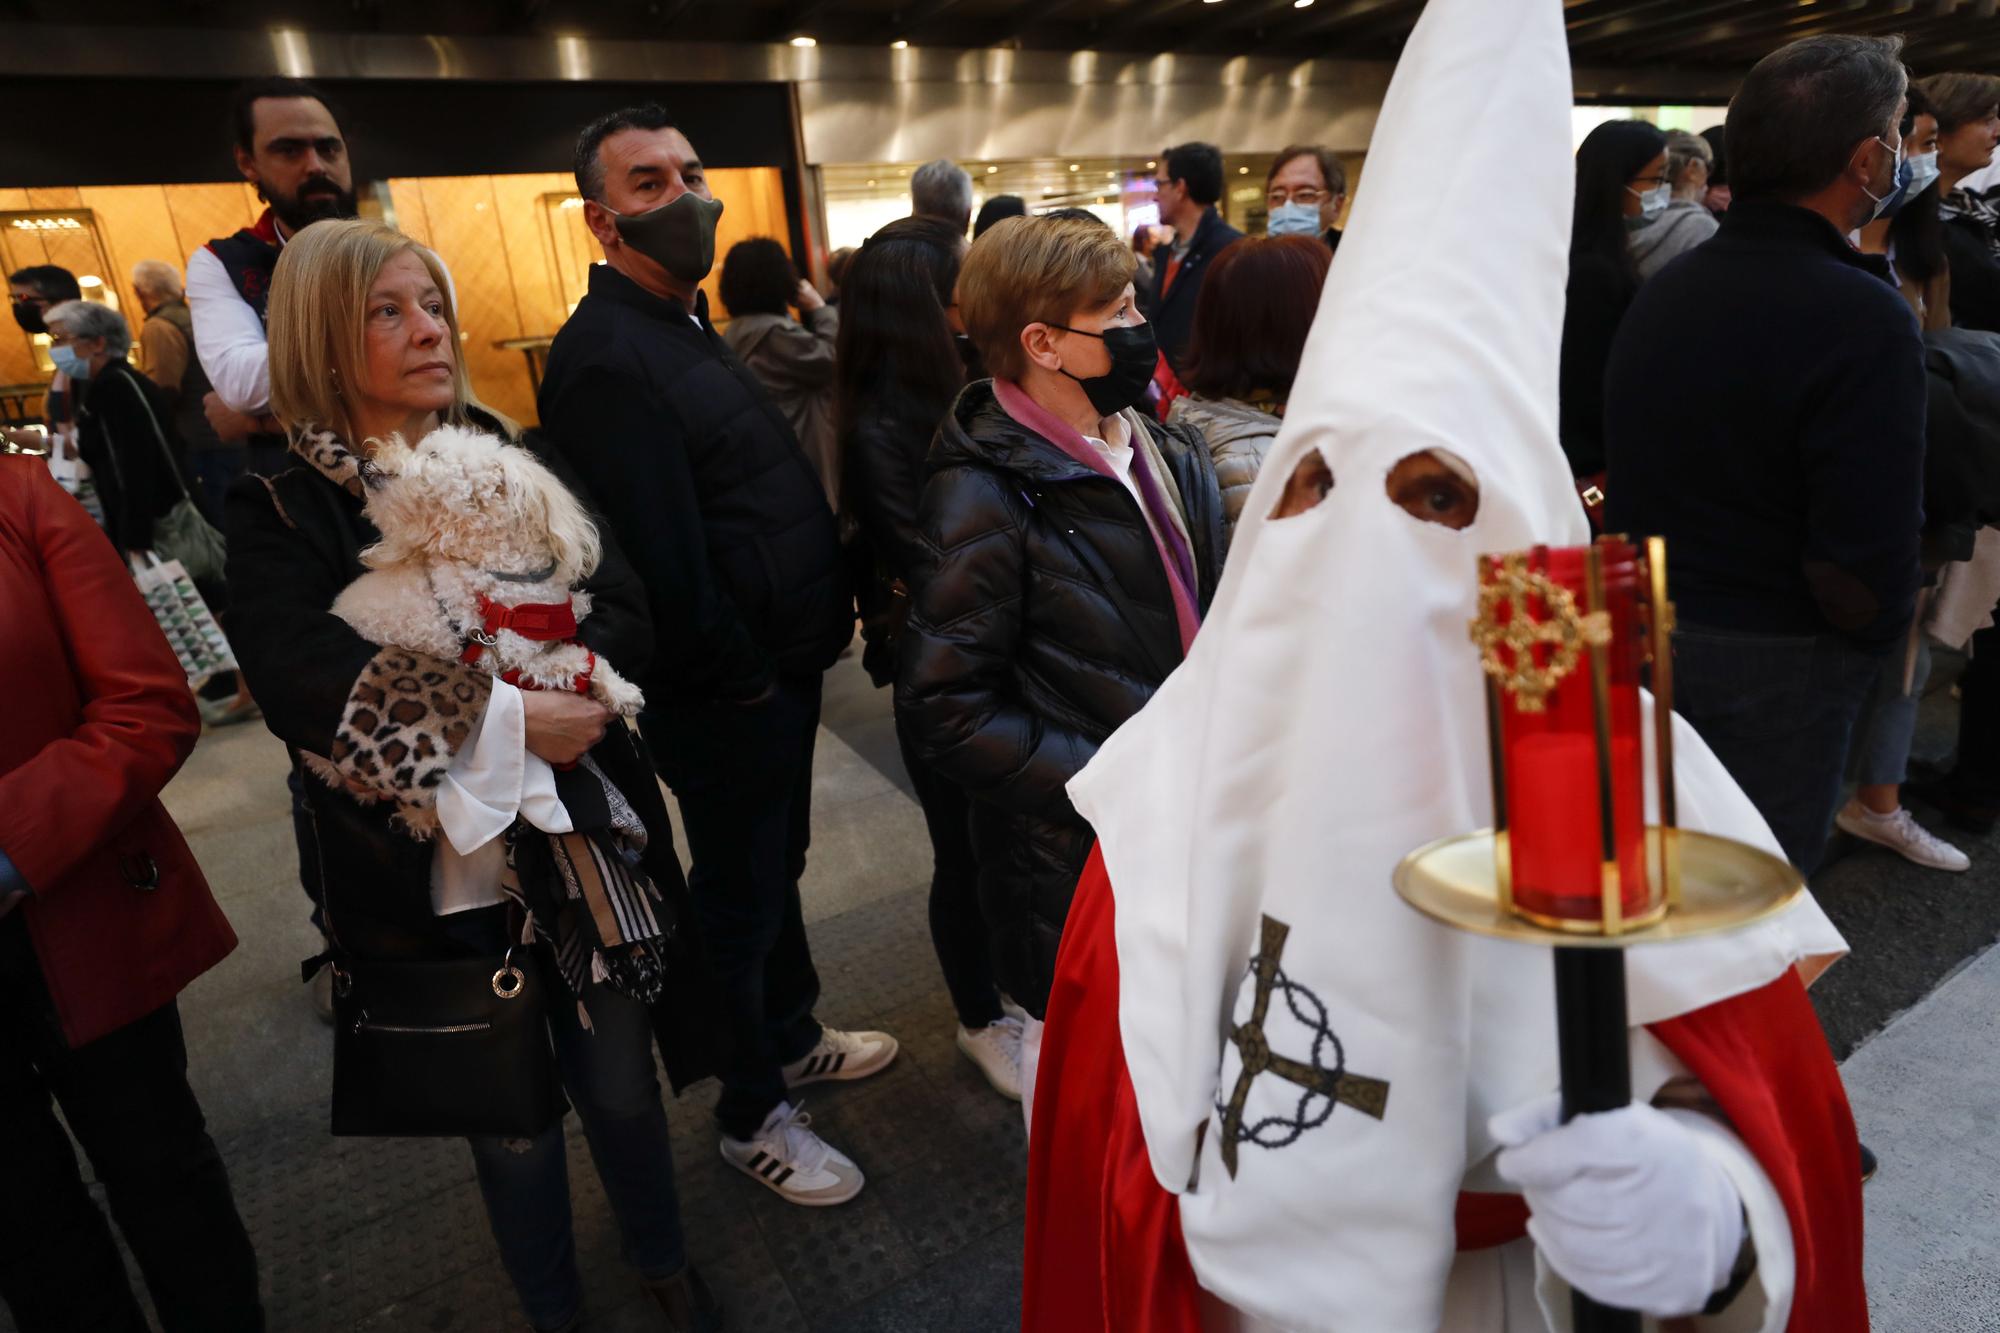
(363,340)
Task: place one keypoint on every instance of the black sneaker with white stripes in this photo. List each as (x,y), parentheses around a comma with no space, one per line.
(842,1055)
(795,1163)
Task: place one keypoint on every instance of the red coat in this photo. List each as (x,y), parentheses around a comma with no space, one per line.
(98,718)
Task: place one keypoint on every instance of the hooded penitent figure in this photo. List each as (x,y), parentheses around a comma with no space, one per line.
(1248,849)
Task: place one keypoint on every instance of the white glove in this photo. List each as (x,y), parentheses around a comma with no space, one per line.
(1626,1206)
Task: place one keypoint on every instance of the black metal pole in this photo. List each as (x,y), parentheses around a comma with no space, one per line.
(1596,1063)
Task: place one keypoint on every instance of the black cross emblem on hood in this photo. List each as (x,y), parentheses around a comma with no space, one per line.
(1318,1081)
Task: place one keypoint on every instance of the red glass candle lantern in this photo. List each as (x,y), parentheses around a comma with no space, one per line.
(1564,635)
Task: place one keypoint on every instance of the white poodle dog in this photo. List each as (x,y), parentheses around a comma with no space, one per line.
(482,549)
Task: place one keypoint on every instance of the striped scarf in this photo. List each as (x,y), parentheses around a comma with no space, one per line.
(1977,208)
(592,901)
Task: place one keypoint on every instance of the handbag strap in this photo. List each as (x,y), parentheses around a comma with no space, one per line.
(159,436)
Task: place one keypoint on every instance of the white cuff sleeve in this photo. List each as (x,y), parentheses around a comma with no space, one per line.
(492,781)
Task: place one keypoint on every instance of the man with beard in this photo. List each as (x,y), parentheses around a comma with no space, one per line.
(289,146)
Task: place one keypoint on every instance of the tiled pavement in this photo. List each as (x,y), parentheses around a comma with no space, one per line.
(363,1234)
(389,1235)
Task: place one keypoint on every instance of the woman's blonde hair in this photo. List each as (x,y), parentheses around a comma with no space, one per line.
(1036,270)
(316,318)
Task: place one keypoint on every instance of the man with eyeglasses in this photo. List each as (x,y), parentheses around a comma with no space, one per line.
(1304,192)
(1189,183)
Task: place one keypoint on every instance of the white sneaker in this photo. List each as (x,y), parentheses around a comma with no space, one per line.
(1901,834)
(796,1164)
(842,1055)
(996,1050)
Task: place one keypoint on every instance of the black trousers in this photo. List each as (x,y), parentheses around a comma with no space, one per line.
(743,780)
(1975,774)
(1779,712)
(306,835)
(958,930)
(126,1098)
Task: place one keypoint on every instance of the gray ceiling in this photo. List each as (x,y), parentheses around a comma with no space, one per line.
(1724,34)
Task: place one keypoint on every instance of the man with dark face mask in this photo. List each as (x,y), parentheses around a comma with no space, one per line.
(290,147)
(31,291)
(706,488)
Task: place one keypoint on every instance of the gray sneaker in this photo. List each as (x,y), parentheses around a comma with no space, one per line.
(996,1052)
(1901,834)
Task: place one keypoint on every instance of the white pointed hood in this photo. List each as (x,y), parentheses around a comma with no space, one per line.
(1329,719)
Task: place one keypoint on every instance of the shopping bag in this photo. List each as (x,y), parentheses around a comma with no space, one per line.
(66,465)
(184,618)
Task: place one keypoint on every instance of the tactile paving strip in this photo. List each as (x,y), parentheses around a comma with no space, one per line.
(388,1235)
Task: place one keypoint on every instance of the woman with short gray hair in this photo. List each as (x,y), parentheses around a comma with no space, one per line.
(1685,222)
(124,425)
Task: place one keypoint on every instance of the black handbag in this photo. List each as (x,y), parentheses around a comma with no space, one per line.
(456,1047)
(436,1046)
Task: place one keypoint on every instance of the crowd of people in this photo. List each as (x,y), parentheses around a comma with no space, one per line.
(1016,462)
(1823,511)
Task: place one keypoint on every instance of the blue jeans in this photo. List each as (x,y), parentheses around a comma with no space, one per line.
(1779,712)
(608,1074)
(1888,721)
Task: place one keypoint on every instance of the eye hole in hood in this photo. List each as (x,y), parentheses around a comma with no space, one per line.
(1436,486)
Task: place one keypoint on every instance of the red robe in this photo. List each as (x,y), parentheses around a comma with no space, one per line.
(1104,1247)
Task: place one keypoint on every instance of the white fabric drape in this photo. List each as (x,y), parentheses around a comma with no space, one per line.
(1330,718)
(492,781)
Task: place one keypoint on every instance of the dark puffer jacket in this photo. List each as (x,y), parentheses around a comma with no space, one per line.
(704,485)
(884,457)
(1042,620)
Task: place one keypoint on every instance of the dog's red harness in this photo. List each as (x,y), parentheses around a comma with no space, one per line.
(544,622)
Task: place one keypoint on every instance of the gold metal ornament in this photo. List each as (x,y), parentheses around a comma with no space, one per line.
(1566,632)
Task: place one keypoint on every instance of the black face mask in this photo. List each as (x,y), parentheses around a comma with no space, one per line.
(968,355)
(29,316)
(1134,355)
(679,237)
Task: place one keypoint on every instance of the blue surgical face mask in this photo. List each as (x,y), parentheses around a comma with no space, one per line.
(1294,220)
(1893,200)
(1923,170)
(69,363)
(1653,202)
(1890,204)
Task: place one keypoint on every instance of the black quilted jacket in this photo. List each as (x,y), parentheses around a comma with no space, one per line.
(1019,659)
(704,485)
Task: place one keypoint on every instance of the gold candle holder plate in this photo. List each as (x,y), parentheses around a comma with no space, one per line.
(1723,885)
